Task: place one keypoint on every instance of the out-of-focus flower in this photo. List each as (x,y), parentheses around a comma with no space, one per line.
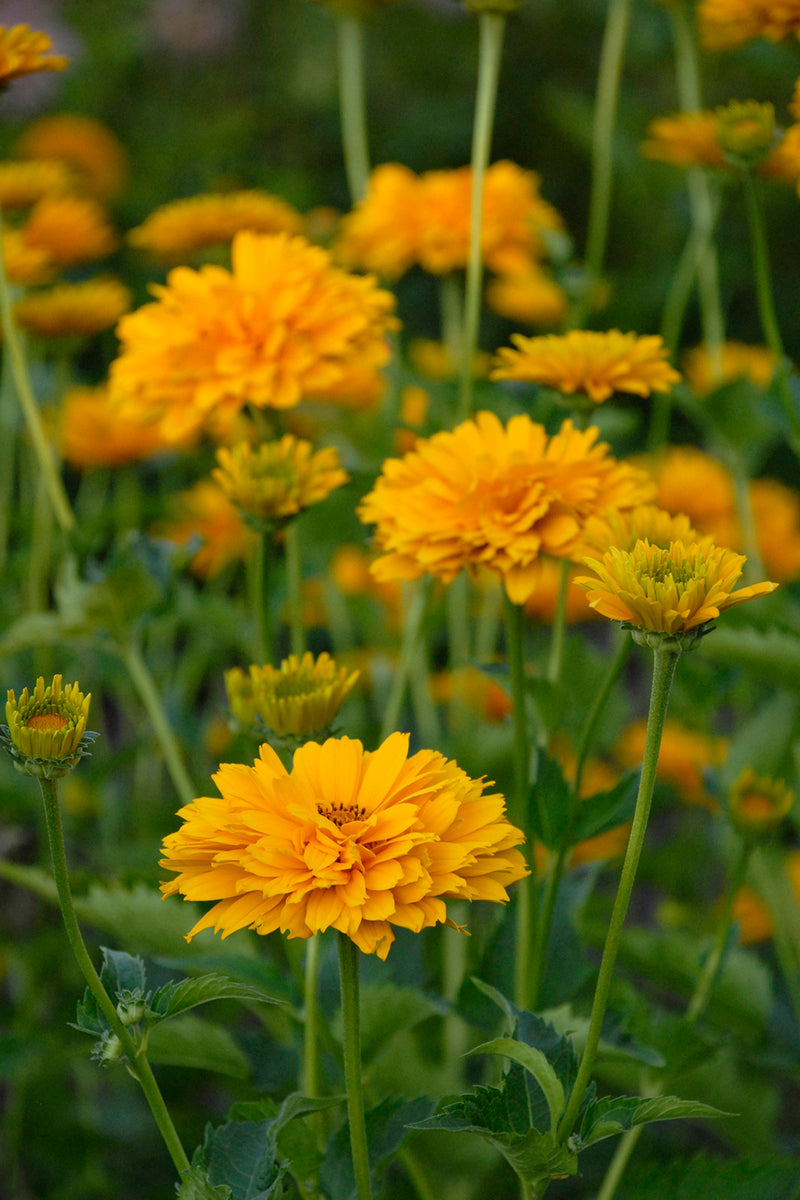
(530,296)
(356,841)
(69,229)
(542,603)
(684,756)
(46,734)
(594,365)
(180,229)
(624,528)
(26,265)
(406,220)
(22,184)
(299,698)
(73,309)
(23,51)
(674,591)
(350,571)
(692,139)
(758,805)
(494,496)
(752,915)
(282,326)
(726,24)
(746,132)
(474,688)
(273,482)
(204,513)
(434,360)
(92,152)
(776,512)
(92,434)
(736,361)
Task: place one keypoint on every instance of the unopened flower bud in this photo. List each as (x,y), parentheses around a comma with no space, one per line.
(758,805)
(746,132)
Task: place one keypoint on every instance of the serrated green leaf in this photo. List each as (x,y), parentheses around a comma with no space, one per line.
(195,1185)
(610,1115)
(550,802)
(122,972)
(189,1041)
(534,1061)
(386,1125)
(174,998)
(242,1155)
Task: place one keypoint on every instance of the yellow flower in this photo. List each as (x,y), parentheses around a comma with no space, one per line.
(692,139)
(530,296)
(299,698)
(73,309)
(92,434)
(737,361)
(434,360)
(70,229)
(776,512)
(284,325)
(204,512)
(475,689)
(183,227)
(24,51)
(668,591)
(752,914)
(87,146)
(382,232)
(351,840)
(758,805)
(494,496)
(746,131)
(276,480)
(23,183)
(46,733)
(726,24)
(597,365)
(684,756)
(624,528)
(26,265)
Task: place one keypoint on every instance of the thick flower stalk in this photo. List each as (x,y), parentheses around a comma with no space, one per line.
(351,840)
(283,325)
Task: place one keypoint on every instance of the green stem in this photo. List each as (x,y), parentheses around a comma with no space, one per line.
(713,963)
(312,1073)
(294,588)
(352,102)
(556,658)
(137,1059)
(451,321)
(30,409)
(616,1168)
(605,116)
(145,686)
(9,417)
(491,27)
(664,663)
(348,981)
(766,306)
(458,641)
(408,648)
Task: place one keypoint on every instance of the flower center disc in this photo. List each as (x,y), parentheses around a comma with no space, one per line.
(343,816)
(47,721)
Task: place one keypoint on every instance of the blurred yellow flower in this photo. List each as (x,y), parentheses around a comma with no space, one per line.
(726,24)
(684,756)
(23,51)
(351,840)
(92,434)
(624,528)
(754,918)
(23,183)
(273,482)
(87,146)
(282,326)
(692,139)
(203,513)
(29,266)
(530,296)
(69,229)
(737,361)
(180,229)
(596,365)
(542,603)
(482,694)
(73,309)
(301,697)
(669,591)
(434,360)
(758,804)
(494,496)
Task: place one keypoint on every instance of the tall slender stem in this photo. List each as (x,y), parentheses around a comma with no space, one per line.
(491,27)
(408,648)
(294,588)
(605,116)
(556,659)
(30,409)
(352,102)
(664,663)
(143,681)
(137,1060)
(348,981)
(713,963)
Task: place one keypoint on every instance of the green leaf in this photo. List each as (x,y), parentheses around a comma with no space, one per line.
(614,1115)
(386,1128)
(713,1179)
(174,998)
(386,1009)
(242,1154)
(195,1185)
(533,1061)
(772,655)
(550,802)
(605,810)
(189,1041)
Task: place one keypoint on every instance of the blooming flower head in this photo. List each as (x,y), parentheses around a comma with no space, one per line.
(758,804)
(726,24)
(73,309)
(24,51)
(46,733)
(668,591)
(623,528)
(204,513)
(299,698)
(180,229)
(87,146)
(23,183)
(494,496)
(70,229)
(283,325)
(351,840)
(693,139)
(273,482)
(736,361)
(592,365)
(92,434)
